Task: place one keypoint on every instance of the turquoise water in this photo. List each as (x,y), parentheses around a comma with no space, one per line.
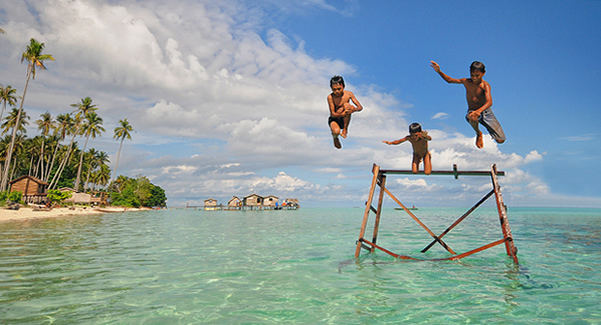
(298,267)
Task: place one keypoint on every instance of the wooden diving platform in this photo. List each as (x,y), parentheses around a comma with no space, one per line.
(379,180)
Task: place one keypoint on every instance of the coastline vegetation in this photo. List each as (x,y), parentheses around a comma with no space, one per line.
(55,157)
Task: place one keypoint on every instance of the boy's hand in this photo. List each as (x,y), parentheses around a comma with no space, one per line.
(387,142)
(473,116)
(348,108)
(435,66)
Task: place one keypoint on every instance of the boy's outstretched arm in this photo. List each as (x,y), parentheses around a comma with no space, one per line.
(443,75)
(399,141)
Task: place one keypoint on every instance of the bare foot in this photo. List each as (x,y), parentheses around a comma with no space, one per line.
(337,143)
(344,133)
(479,140)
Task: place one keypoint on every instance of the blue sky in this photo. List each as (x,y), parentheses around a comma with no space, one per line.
(229,97)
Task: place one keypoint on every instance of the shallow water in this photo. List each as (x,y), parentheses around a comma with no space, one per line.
(298,267)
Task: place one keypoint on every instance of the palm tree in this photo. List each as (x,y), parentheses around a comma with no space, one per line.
(8,95)
(45,124)
(121,132)
(11,121)
(35,58)
(92,127)
(103,175)
(66,126)
(85,107)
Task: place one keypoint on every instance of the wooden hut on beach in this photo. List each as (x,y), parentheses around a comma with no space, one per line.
(32,188)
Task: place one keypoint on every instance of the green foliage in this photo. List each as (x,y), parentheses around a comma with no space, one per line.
(56,196)
(137,192)
(15,197)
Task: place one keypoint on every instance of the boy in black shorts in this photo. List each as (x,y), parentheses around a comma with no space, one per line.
(341,109)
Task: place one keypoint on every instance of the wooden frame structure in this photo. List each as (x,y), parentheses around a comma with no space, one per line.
(379,179)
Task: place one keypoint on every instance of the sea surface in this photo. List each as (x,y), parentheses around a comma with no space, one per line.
(298,267)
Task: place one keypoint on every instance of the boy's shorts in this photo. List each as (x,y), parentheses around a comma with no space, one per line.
(338,120)
(490,122)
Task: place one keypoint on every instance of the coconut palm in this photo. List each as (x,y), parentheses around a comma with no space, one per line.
(67,125)
(92,127)
(121,132)
(8,95)
(11,120)
(85,107)
(62,124)
(45,124)
(102,176)
(35,58)
(97,159)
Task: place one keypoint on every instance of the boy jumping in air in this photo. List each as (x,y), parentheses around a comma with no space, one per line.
(419,140)
(341,109)
(479,102)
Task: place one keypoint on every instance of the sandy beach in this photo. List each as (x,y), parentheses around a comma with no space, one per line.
(26,213)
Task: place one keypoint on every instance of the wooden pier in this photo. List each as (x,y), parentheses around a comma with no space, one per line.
(233,208)
(379,180)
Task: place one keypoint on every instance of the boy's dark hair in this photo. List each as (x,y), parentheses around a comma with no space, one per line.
(414,128)
(336,80)
(478,66)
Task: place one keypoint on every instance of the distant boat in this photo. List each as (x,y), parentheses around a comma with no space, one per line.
(411,208)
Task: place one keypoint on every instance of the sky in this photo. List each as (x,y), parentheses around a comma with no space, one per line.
(228,98)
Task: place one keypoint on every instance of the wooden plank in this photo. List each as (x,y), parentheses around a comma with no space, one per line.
(460,219)
(387,251)
(376,172)
(509,246)
(420,223)
(382,183)
(453,172)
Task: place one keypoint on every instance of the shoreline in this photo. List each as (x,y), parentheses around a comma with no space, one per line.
(27,213)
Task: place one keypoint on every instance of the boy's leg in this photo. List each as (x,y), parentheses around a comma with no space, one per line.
(490,122)
(335,128)
(428,164)
(347,121)
(415,164)
(474,124)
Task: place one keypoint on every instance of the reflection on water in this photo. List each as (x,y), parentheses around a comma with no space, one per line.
(273,267)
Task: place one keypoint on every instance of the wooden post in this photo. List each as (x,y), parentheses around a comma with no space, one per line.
(382,183)
(420,223)
(509,246)
(460,219)
(368,207)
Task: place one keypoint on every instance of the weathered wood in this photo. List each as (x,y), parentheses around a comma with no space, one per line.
(509,245)
(379,179)
(460,219)
(382,183)
(420,223)
(376,172)
(453,172)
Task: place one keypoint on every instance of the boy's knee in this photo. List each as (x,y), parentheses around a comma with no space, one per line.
(499,141)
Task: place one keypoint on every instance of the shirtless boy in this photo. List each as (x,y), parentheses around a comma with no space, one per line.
(479,102)
(419,140)
(341,109)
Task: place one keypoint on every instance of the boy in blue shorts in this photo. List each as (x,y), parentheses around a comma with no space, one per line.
(479,102)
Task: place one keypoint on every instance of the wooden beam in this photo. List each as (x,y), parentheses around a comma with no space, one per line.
(453,172)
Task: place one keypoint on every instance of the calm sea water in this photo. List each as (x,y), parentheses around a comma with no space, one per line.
(298,267)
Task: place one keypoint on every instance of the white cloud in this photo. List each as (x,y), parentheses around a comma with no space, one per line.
(440,116)
(224,107)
